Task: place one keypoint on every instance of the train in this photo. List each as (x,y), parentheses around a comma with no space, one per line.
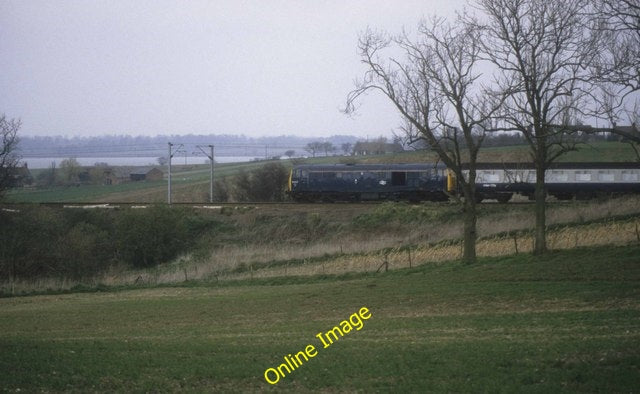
(436,182)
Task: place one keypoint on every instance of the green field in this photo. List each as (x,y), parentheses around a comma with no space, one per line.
(567,322)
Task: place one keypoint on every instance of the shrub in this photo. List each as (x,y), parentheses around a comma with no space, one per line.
(148,237)
(221,190)
(28,242)
(83,250)
(266,183)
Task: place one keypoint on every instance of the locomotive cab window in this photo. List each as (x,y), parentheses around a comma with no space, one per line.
(398,178)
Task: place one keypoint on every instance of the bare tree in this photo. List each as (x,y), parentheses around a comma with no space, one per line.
(540,50)
(347,147)
(290,153)
(436,89)
(314,147)
(328,147)
(617,22)
(70,169)
(378,146)
(8,158)
(631,134)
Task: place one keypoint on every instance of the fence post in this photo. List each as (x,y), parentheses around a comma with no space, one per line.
(385,263)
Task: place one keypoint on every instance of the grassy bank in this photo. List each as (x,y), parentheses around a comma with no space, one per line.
(270,241)
(565,322)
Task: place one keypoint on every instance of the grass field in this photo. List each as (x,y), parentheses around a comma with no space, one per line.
(567,322)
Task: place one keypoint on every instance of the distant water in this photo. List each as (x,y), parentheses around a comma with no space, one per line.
(45,162)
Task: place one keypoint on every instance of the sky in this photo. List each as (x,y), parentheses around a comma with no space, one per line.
(258,68)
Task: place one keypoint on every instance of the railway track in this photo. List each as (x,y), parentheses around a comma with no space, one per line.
(218,206)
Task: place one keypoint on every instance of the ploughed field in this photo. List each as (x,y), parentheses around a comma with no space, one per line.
(564,322)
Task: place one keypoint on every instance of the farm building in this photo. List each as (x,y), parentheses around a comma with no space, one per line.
(20,176)
(114,176)
(146,174)
(84,176)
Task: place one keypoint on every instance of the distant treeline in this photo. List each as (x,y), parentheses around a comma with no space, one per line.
(226,145)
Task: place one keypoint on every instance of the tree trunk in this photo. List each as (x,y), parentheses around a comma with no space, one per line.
(540,244)
(470,235)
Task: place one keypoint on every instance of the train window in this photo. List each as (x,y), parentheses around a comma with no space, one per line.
(519,176)
(606,176)
(328,174)
(583,176)
(558,176)
(488,176)
(398,178)
(514,176)
(629,176)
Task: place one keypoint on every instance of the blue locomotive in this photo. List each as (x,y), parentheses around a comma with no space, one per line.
(362,182)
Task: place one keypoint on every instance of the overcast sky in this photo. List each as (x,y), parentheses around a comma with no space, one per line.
(176,67)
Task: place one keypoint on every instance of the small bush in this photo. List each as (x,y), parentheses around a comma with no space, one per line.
(145,238)
(267,183)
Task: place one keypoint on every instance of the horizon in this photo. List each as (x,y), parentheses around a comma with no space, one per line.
(40,151)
